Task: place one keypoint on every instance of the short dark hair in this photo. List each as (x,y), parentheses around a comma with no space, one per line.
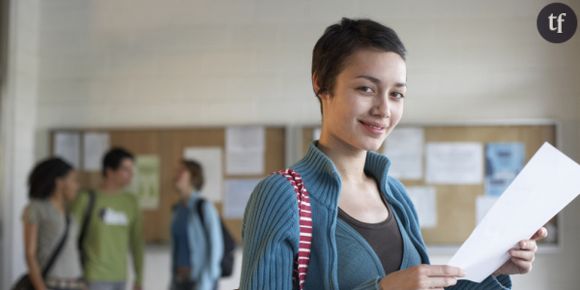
(114,157)
(341,40)
(42,179)
(196,172)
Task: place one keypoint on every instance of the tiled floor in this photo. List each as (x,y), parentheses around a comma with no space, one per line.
(157,260)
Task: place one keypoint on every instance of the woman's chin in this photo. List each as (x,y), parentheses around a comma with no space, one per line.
(371,145)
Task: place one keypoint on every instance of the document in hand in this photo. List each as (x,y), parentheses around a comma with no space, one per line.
(548,183)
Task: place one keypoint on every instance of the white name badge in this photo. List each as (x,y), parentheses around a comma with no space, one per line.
(115,218)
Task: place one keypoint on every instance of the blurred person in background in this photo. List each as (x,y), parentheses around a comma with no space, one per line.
(196,234)
(49,231)
(111,226)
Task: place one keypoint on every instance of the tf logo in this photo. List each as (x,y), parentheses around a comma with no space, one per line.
(557,23)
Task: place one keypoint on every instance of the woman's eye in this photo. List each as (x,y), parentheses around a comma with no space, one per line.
(397,95)
(366,90)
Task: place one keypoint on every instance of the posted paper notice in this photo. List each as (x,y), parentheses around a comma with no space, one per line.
(67,145)
(210,159)
(404,147)
(237,194)
(454,163)
(245,149)
(95,146)
(425,200)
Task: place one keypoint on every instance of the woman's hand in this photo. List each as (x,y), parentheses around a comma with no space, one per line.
(422,277)
(522,256)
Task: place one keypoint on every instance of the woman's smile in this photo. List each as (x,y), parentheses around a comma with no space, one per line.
(374,127)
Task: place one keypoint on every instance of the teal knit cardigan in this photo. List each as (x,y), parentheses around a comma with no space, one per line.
(340,257)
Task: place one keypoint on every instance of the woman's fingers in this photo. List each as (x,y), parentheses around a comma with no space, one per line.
(439,276)
(524,266)
(529,245)
(443,270)
(523,255)
(426,277)
(438,282)
(541,234)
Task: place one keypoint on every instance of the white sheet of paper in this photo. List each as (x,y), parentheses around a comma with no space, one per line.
(425,200)
(404,147)
(95,145)
(237,193)
(548,183)
(483,204)
(67,145)
(210,159)
(245,149)
(454,163)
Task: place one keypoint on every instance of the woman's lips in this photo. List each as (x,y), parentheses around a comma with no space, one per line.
(373,127)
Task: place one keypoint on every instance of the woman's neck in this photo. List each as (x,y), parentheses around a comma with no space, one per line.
(58,202)
(349,162)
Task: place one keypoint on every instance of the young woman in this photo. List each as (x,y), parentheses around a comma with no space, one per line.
(53,185)
(197,242)
(365,232)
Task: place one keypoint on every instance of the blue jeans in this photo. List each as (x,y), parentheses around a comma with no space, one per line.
(107,285)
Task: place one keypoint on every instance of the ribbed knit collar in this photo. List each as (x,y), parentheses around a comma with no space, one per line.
(323,180)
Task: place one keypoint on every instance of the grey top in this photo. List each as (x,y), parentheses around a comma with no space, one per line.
(384,237)
(51,227)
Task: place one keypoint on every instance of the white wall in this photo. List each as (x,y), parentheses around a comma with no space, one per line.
(19,99)
(170,63)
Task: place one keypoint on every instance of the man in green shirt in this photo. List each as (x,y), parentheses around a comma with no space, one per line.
(114,227)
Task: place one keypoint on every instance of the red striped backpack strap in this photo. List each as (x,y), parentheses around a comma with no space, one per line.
(305,221)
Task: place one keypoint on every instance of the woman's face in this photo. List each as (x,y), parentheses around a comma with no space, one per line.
(68,185)
(367,101)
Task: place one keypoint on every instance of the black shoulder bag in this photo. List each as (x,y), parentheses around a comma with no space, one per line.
(85,227)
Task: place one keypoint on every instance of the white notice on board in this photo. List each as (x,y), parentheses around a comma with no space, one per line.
(425,201)
(237,193)
(454,163)
(210,159)
(245,148)
(67,145)
(548,183)
(316,134)
(95,146)
(404,147)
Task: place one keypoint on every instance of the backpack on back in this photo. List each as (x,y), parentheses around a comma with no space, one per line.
(227,263)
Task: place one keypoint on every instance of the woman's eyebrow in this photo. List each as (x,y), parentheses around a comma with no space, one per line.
(378,82)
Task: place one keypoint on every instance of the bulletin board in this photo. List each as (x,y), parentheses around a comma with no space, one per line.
(169,144)
(456,204)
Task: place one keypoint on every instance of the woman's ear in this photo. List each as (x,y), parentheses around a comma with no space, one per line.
(315,84)
(316,87)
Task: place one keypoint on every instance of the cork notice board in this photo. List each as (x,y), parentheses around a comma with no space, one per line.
(456,204)
(168,144)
